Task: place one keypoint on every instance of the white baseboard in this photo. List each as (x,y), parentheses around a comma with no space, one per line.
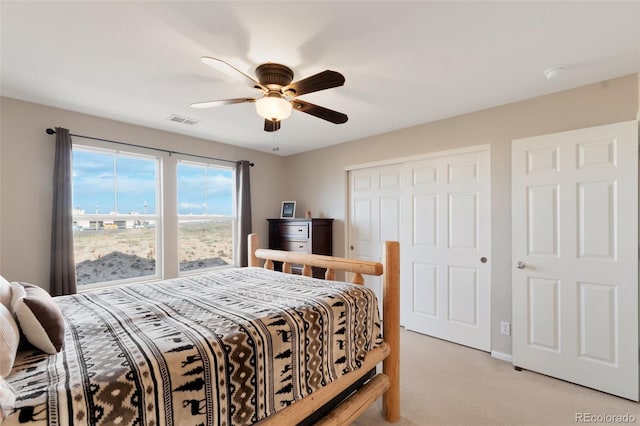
(502,356)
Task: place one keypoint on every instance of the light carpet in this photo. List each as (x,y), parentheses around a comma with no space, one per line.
(446,384)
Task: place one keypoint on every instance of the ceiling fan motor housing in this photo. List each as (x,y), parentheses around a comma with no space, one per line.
(274,76)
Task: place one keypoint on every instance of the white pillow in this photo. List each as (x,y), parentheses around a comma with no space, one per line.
(5,293)
(9,341)
(39,317)
(7,399)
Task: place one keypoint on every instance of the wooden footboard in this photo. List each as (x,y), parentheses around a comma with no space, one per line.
(386,384)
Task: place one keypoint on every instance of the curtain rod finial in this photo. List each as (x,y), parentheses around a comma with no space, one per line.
(50,131)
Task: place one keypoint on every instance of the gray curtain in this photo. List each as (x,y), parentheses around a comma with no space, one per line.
(243,198)
(63,268)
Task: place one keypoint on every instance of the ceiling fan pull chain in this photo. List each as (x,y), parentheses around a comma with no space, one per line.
(275,148)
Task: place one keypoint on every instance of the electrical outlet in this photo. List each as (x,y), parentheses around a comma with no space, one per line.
(505,328)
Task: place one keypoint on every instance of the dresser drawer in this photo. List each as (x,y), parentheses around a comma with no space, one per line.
(295,230)
(302,236)
(299,246)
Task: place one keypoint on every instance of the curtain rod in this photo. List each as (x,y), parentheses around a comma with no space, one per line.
(50,131)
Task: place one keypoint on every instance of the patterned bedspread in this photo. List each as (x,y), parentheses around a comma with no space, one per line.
(226,348)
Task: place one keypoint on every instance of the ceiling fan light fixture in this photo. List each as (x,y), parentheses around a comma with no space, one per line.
(273,107)
(279,92)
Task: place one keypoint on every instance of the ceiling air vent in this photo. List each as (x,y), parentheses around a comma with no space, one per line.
(183,120)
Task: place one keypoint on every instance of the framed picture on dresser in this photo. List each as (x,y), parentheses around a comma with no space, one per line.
(288,210)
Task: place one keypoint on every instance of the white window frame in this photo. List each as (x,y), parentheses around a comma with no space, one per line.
(111,217)
(193,218)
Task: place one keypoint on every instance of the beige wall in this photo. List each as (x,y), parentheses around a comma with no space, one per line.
(317,179)
(26,170)
(638,92)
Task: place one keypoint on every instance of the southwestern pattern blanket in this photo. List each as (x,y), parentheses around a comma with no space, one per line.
(226,348)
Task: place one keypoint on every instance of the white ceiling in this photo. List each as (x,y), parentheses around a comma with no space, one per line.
(405,63)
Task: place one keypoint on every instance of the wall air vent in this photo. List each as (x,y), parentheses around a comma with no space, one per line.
(183,120)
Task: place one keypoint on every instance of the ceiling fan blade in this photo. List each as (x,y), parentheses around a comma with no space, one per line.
(271,126)
(209,104)
(320,112)
(225,67)
(321,81)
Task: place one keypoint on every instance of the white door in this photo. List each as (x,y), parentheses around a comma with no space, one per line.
(374,215)
(575,254)
(439,210)
(445,249)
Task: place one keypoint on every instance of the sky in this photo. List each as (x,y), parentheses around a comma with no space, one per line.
(104,183)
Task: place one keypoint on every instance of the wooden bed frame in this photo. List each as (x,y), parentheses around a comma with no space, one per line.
(386,383)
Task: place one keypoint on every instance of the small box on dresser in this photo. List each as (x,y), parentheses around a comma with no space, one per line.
(302,235)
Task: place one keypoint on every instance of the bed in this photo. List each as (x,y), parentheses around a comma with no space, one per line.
(236,347)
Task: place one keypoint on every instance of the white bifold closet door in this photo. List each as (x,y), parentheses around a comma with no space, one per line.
(374,215)
(439,210)
(445,250)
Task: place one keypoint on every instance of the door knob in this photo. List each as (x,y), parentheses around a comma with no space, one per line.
(520,265)
(351,247)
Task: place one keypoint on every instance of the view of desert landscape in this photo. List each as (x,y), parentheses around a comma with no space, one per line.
(106,254)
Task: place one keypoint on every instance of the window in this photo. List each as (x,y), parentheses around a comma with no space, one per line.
(119,230)
(206,215)
(116,221)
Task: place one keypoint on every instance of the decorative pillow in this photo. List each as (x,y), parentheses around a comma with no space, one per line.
(9,341)
(39,318)
(5,293)
(7,399)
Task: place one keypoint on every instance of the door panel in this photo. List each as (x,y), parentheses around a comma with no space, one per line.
(598,306)
(575,232)
(374,215)
(542,203)
(362,218)
(425,220)
(544,295)
(463,295)
(390,218)
(597,220)
(425,289)
(446,288)
(463,217)
(439,210)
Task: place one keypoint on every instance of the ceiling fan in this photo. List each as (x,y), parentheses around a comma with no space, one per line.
(279,94)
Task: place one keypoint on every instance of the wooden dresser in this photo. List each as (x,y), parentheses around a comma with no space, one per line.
(302,235)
